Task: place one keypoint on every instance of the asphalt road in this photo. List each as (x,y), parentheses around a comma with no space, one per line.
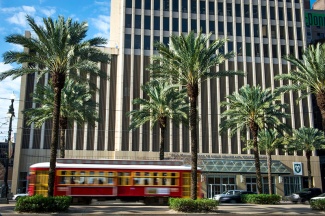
(123,209)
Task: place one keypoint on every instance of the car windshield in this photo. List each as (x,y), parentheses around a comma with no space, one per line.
(322,195)
(226,192)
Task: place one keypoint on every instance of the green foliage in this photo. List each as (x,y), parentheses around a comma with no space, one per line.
(318,204)
(39,203)
(261,198)
(190,205)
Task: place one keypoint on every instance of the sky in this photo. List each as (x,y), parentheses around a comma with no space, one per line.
(13,21)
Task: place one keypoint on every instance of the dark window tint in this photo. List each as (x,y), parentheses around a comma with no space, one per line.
(248,49)
(299,33)
(128,4)
(137,4)
(255,11)
(137,23)
(166,40)
(220,9)
(220,28)
(175,24)
(237,7)
(281,13)
(298,15)
(229,9)
(202,7)
(212,26)
(175,6)
(166,23)
(289,14)
(239,48)
(147,4)
(146,42)
(166,5)
(272,13)
(246,11)
(156,23)
(127,41)
(184,6)
(274,51)
(229,28)
(156,40)
(193,6)
(211,8)
(230,46)
(128,21)
(147,22)
(264,12)
(193,25)
(256,30)
(238,29)
(203,26)
(247,30)
(156,5)
(184,25)
(266,50)
(137,41)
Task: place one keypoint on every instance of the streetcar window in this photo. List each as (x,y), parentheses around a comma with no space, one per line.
(110,181)
(91,179)
(72,177)
(82,177)
(101,179)
(62,177)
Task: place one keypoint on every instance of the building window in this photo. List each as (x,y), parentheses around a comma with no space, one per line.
(220,28)
(289,14)
(146,44)
(166,40)
(282,32)
(156,23)
(246,11)
(229,9)
(283,50)
(290,32)
(137,41)
(156,40)
(257,50)
(184,25)
(202,7)
(137,22)
(147,4)
(230,46)
(220,9)
(193,6)
(229,28)
(137,4)
(128,21)
(147,22)
(263,12)
(264,31)
(212,26)
(128,4)
(203,26)
(272,13)
(166,23)
(281,13)
(248,49)
(256,30)
(156,5)
(299,37)
(237,8)
(247,30)
(184,6)
(127,41)
(175,6)
(255,11)
(193,25)
(292,184)
(239,48)
(266,50)
(238,29)
(175,24)
(211,8)
(273,31)
(166,5)
(298,15)
(274,51)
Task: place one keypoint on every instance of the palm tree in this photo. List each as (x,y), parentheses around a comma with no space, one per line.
(59,49)
(269,141)
(308,76)
(187,60)
(308,140)
(255,109)
(76,105)
(164,101)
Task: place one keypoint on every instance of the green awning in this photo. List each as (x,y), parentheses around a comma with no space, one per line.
(241,166)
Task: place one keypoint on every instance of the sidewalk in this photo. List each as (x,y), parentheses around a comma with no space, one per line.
(124,209)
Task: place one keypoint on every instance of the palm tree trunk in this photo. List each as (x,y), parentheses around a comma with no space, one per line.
(310,183)
(162,125)
(63,127)
(192,91)
(254,129)
(269,171)
(320,98)
(58,84)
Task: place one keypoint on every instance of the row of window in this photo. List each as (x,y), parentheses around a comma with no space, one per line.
(229,27)
(211,5)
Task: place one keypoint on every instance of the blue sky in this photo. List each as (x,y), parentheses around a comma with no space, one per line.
(12,16)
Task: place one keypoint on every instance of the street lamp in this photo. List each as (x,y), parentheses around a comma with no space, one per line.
(11,114)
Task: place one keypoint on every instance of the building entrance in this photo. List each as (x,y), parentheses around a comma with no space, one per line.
(217,184)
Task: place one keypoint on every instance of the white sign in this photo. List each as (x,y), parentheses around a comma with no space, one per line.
(297,168)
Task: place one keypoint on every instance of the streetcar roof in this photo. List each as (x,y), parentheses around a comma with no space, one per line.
(111,166)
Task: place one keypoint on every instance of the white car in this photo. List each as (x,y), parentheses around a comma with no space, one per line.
(226,193)
(321,196)
(17,196)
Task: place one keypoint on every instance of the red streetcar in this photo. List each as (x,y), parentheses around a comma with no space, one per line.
(151,181)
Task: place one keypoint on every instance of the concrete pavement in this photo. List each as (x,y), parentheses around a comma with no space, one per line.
(124,209)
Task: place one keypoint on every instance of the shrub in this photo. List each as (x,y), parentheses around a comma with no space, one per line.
(261,198)
(318,204)
(189,205)
(39,203)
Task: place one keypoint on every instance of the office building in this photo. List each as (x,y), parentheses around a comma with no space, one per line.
(260,32)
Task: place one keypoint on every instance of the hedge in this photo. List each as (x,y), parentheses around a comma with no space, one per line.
(318,204)
(189,205)
(261,198)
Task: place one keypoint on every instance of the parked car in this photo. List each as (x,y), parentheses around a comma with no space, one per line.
(17,196)
(226,193)
(305,195)
(321,196)
(236,198)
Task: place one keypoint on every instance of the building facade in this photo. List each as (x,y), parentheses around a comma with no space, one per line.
(260,32)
